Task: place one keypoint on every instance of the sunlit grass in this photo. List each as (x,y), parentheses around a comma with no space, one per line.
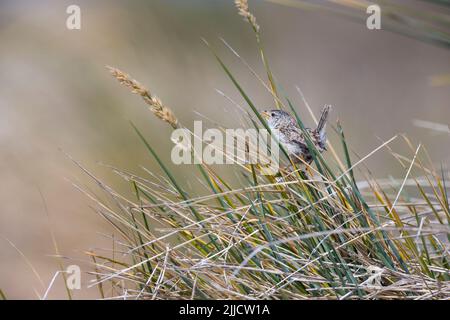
(330,230)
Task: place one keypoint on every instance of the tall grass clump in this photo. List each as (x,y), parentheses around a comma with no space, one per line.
(328,230)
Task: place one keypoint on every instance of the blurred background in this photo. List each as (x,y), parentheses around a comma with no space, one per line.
(56,96)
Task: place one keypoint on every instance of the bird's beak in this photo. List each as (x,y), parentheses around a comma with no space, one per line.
(265,115)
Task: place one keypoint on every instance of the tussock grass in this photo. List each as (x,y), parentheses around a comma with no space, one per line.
(328,231)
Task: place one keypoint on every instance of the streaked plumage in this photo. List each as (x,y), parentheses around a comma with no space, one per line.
(287,131)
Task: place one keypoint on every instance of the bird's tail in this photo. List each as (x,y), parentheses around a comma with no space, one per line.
(323,119)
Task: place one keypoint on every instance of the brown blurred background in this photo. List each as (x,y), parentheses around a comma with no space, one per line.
(56,94)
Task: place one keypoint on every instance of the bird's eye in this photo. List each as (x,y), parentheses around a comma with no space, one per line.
(273,114)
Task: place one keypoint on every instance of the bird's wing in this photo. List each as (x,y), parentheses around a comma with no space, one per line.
(302,145)
(295,133)
(296,136)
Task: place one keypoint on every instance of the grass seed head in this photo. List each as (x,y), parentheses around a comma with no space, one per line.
(243,10)
(156,105)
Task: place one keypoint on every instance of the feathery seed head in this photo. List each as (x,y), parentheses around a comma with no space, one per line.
(127,81)
(242,6)
(156,105)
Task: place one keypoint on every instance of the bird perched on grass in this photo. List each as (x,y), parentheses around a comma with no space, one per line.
(287,131)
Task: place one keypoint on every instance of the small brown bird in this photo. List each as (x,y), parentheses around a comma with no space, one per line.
(287,131)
